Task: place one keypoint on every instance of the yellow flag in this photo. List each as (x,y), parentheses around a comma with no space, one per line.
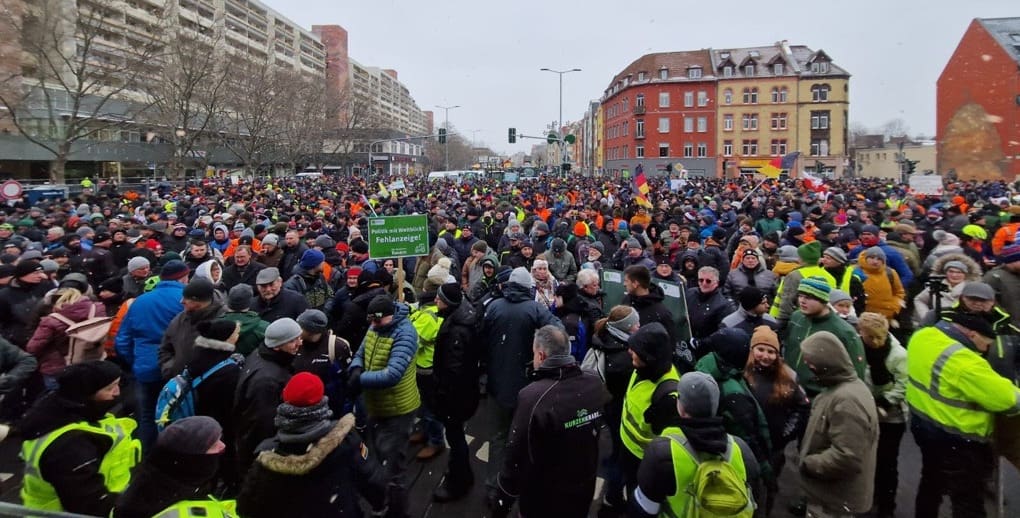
(382,190)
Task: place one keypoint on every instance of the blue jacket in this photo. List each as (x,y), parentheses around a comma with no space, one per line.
(893,259)
(405,345)
(142,330)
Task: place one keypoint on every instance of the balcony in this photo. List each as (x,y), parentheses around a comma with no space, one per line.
(639,110)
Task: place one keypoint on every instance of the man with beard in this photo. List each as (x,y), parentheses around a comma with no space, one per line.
(19,299)
(271,254)
(243,270)
(77,456)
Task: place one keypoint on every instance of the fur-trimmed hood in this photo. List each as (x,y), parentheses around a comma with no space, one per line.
(297,465)
(973,269)
(216,345)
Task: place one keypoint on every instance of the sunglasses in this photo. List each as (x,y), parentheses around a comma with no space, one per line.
(706,281)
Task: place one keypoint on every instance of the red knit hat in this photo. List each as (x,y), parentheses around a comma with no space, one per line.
(304,389)
(580,229)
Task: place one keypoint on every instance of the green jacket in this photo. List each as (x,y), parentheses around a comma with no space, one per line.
(800,327)
(253,330)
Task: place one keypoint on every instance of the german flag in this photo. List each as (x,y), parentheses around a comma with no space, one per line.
(641,183)
(778,164)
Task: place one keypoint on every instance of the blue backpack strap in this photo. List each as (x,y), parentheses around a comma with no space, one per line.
(212,370)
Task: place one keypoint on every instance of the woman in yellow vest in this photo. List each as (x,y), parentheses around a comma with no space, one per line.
(77,456)
(181,468)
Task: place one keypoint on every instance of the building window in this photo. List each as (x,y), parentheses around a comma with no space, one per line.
(727,71)
(727,96)
(663,124)
(702,124)
(626,128)
(751,95)
(778,147)
(663,150)
(820,67)
(639,100)
(750,122)
(749,70)
(727,148)
(777,69)
(779,94)
(702,98)
(727,122)
(663,74)
(694,73)
(640,76)
(688,150)
(820,120)
(663,99)
(778,121)
(688,124)
(639,151)
(819,147)
(688,99)
(702,150)
(639,128)
(820,93)
(750,147)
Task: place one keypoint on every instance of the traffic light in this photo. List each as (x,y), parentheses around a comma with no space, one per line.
(512,135)
(819,166)
(566,167)
(669,168)
(442,135)
(911,166)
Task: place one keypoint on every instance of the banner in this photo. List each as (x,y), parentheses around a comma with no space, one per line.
(673,299)
(929,185)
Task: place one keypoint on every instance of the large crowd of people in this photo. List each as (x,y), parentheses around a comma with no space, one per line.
(233,349)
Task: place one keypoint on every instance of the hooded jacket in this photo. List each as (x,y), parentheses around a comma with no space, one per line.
(175,348)
(320,479)
(510,323)
(885,292)
(253,330)
(839,448)
(801,327)
(893,260)
(49,344)
(552,449)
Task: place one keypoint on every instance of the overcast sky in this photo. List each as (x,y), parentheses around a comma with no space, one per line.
(485,55)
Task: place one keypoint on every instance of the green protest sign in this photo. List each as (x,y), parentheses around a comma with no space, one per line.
(398,236)
(673,298)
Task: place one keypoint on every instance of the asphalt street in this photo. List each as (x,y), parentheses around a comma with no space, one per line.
(424,477)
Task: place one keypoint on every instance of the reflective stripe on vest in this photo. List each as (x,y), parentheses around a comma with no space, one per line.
(635,432)
(115,467)
(805,272)
(930,350)
(200,508)
(685,465)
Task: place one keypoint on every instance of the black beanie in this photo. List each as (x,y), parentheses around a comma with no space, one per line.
(218,329)
(750,297)
(78,382)
(651,344)
(450,293)
(731,344)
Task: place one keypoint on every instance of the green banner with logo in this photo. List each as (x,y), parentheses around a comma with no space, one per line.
(673,299)
(398,236)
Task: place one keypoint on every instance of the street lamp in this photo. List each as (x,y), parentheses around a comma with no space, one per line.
(559,123)
(446,125)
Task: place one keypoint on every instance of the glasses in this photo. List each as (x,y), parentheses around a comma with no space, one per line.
(706,281)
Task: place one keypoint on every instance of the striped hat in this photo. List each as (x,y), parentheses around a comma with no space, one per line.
(815,287)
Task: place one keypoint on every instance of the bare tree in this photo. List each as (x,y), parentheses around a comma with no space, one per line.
(253,110)
(187,95)
(895,128)
(857,131)
(80,77)
(348,121)
(302,121)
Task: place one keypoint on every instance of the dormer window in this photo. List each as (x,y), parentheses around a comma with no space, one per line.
(749,70)
(694,73)
(820,67)
(777,69)
(727,71)
(640,76)
(663,73)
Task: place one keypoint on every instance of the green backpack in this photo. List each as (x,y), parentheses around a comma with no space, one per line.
(717,489)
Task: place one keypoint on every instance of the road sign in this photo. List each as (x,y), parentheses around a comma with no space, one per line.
(398,236)
(11,190)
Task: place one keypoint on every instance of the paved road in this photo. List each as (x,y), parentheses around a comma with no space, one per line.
(426,476)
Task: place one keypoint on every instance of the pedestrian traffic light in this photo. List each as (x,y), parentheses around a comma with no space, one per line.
(911,166)
(442,135)
(512,136)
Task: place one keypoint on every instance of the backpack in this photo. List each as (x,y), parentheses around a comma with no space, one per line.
(594,362)
(716,490)
(85,339)
(177,398)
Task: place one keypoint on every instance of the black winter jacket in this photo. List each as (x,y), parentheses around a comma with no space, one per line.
(352,325)
(232,275)
(265,374)
(16,367)
(509,328)
(214,396)
(552,451)
(455,364)
(18,305)
(321,479)
(165,478)
(706,311)
(287,304)
(651,309)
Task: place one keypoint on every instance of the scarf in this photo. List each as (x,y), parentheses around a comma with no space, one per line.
(296,424)
(880,374)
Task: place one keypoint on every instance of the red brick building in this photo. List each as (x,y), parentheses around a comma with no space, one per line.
(978,103)
(661,110)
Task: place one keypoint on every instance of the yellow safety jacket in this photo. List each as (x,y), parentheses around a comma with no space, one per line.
(635,432)
(125,452)
(685,465)
(954,387)
(200,509)
(805,272)
(426,321)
